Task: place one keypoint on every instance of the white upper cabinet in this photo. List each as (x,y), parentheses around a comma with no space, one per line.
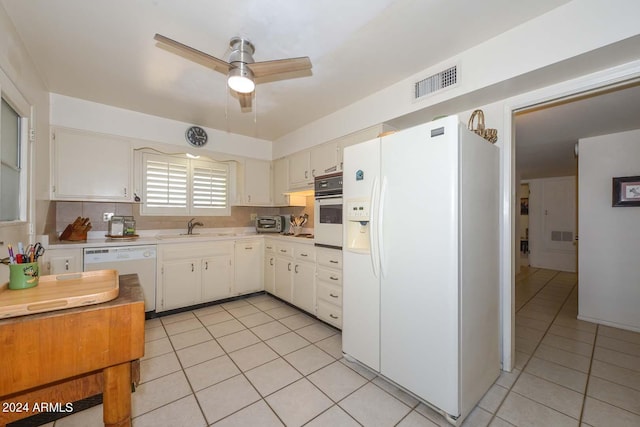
(280,182)
(324,159)
(256,186)
(300,170)
(90,166)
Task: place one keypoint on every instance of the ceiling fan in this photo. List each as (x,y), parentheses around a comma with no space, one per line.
(241,70)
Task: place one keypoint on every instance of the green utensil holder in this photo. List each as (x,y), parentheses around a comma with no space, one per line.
(23,276)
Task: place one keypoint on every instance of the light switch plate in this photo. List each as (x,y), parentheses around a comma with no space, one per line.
(106,216)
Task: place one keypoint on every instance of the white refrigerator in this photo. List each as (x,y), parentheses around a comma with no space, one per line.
(421,266)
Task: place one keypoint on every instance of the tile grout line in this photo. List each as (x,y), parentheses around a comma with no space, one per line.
(586,386)
(495,414)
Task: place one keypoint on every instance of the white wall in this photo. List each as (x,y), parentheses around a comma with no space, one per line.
(609,290)
(20,83)
(571,30)
(80,114)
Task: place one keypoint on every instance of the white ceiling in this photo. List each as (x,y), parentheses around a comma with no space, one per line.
(103,51)
(546,136)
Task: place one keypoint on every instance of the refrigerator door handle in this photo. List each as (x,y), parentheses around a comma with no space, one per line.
(373,241)
(383,193)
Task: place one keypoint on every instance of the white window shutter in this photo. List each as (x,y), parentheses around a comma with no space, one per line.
(210,189)
(166,182)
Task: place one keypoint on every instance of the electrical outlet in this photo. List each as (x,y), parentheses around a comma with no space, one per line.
(107,216)
(253,216)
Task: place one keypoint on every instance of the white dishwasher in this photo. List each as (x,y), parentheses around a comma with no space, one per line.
(127,260)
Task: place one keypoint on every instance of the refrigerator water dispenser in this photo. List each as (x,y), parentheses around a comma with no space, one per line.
(358,225)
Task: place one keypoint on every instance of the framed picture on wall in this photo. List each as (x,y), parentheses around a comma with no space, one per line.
(524,206)
(626,191)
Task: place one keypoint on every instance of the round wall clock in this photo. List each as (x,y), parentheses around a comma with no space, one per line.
(196,136)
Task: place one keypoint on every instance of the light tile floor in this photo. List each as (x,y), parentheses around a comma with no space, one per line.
(260,362)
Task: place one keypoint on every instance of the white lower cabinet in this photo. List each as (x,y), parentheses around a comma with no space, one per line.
(217,274)
(193,273)
(248,267)
(181,283)
(60,261)
(329,285)
(293,273)
(269,266)
(282,288)
(303,284)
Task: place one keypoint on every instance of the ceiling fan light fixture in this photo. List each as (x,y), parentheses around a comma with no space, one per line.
(241,79)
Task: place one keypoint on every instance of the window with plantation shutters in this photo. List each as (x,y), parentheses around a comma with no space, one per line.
(173,185)
(210,186)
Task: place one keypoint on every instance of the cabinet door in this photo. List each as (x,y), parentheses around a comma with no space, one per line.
(270,273)
(181,284)
(257,182)
(217,277)
(91,166)
(249,263)
(299,170)
(303,286)
(284,267)
(60,261)
(324,159)
(280,182)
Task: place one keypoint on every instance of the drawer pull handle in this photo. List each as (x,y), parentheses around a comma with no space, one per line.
(304,255)
(333,278)
(206,265)
(332,261)
(289,266)
(248,247)
(333,317)
(270,261)
(333,296)
(283,251)
(192,268)
(296,268)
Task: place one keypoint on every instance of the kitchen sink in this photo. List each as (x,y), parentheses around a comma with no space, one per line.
(194,235)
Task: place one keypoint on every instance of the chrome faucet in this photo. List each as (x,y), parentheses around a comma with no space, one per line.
(191,225)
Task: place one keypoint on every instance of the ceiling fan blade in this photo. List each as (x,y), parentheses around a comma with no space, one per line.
(245,99)
(280,66)
(194,55)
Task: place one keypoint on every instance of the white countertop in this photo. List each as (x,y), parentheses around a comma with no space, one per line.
(156,237)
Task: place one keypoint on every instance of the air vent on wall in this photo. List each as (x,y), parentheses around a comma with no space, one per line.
(436,82)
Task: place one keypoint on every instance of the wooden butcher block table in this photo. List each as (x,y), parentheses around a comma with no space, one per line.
(49,360)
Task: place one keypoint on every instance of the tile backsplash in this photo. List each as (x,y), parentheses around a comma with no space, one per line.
(67,212)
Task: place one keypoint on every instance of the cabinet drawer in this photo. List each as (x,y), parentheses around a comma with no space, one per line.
(330,258)
(305,253)
(329,292)
(284,250)
(330,276)
(269,246)
(330,313)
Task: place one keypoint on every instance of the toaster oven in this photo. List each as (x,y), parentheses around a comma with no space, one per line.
(271,224)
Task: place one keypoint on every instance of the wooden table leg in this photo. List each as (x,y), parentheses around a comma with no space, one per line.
(117,395)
